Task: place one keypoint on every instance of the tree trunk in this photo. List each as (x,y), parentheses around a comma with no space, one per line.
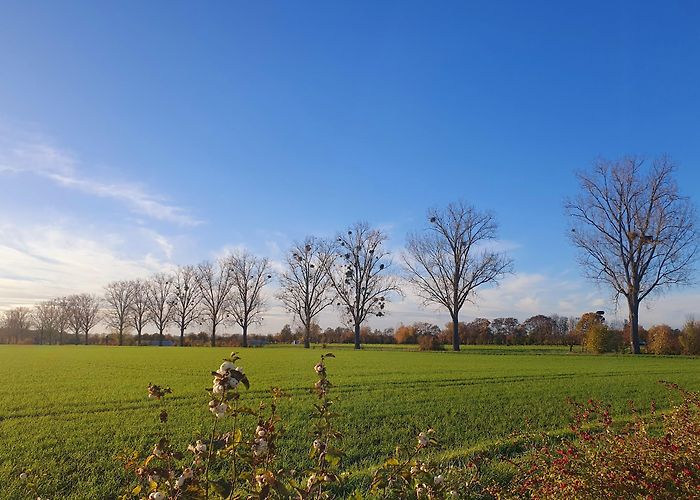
(213,334)
(307,333)
(121,335)
(455,332)
(357,335)
(182,336)
(138,336)
(160,336)
(634,324)
(86,337)
(60,337)
(41,336)
(245,335)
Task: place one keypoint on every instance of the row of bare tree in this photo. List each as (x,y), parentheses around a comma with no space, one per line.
(445,263)
(56,318)
(229,288)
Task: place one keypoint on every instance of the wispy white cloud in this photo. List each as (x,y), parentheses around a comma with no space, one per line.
(42,159)
(163,243)
(38,262)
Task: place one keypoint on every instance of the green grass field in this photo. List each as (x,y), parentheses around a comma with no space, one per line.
(66,412)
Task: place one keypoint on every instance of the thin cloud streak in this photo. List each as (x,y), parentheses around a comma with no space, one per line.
(58,166)
(42,262)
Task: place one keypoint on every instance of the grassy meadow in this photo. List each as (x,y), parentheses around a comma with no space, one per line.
(67,411)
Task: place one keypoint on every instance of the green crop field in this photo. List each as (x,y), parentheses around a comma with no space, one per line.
(66,412)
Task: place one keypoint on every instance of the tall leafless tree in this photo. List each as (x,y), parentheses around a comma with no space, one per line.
(249,275)
(159,289)
(448,261)
(119,296)
(62,307)
(18,320)
(360,274)
(87,311)
(44,315)
(214,281)
(305,285)
(138,313)
(73,316)
(636,234)
(186,299)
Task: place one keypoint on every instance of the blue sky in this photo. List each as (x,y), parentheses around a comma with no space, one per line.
(135,136)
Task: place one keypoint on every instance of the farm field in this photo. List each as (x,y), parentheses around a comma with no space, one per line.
(67,411)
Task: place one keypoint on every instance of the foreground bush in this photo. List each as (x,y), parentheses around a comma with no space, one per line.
(638,461)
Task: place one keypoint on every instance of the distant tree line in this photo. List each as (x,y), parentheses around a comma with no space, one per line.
(598,337)
(589,331)
(538,329)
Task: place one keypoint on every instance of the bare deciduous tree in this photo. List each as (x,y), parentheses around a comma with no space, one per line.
(187,297)
(73,317)
(214,281)
(158,302)
(44,318)
(635,232)
(138,314)
(447,262)
(119,296)
(18,318)
(305,285)
(87,313)
(61,305)
(360,275)
(249,275)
